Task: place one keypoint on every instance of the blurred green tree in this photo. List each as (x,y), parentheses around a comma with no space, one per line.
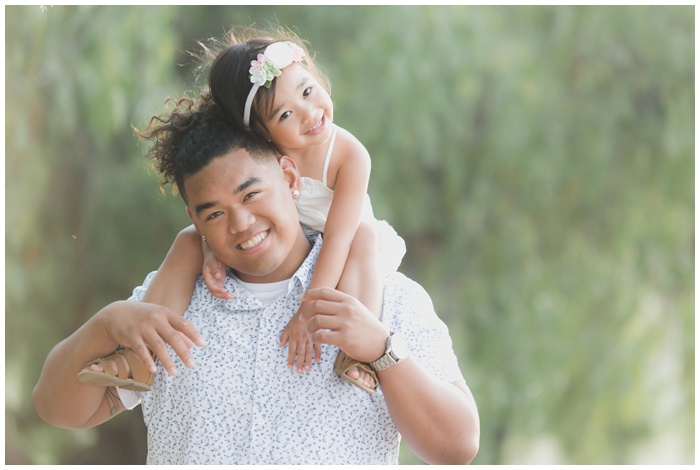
(537,160)
(77,78)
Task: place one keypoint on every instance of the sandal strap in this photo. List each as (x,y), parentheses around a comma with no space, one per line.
(129,366)
(139,372)
(344,363)
(110,361)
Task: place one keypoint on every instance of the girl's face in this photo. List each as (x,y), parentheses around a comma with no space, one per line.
(302,112)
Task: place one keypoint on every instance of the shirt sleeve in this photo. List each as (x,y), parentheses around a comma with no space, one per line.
(410,310)
(139,292)
(129,398)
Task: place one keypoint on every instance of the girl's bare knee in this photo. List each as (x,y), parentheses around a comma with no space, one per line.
(365,241)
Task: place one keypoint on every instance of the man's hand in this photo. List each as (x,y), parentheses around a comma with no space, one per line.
(146,327)
(339,319)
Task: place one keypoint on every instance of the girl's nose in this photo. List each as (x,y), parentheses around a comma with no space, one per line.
(308,112)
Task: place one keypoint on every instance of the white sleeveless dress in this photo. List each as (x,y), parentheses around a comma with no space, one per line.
(314,203)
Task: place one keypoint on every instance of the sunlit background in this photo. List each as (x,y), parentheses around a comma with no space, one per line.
(538,161)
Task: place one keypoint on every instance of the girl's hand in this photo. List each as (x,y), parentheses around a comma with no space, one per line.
(214,275)
(301,348)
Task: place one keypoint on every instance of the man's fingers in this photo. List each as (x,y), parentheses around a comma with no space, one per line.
(324,293)
(326,337)
(160,349)
(179,345)
(188,342)
(189,329)
(321,307)
(178,340)
(324,322)
(144,353)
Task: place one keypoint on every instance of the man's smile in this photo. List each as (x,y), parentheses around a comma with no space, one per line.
(253,241)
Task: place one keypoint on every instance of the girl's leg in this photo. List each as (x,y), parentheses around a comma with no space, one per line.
(360,276)
(360,279)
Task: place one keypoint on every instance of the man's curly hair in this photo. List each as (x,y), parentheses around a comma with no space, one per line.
(191,136)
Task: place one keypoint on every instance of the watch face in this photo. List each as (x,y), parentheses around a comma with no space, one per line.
(399,347)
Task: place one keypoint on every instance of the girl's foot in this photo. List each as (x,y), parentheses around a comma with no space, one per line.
(362,376)
(122,368)
(356,372)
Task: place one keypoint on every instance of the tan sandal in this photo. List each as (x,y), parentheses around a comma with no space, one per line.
(343,363)
(132,374)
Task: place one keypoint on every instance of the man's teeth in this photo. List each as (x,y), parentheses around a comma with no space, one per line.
(253,242)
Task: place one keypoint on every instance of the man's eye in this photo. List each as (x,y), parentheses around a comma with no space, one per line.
(214,215)
(250,195)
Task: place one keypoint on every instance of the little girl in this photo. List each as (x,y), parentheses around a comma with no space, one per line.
(271,87)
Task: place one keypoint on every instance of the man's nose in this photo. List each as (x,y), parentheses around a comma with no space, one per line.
(241,220)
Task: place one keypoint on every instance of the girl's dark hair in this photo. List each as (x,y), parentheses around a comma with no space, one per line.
(191,136)
(228,62)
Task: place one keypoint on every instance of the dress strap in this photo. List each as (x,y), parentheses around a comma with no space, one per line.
(326,164)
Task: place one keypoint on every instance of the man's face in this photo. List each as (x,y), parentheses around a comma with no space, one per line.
(246,211)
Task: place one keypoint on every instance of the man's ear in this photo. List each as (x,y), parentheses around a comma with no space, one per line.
(290,172)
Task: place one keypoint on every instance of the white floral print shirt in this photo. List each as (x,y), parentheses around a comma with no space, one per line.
(240,404)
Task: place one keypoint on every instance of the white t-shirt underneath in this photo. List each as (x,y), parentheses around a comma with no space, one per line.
(266,292)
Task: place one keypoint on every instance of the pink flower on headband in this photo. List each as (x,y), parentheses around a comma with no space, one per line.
(270,63)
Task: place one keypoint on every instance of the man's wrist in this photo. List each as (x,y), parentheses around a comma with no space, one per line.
(396,351)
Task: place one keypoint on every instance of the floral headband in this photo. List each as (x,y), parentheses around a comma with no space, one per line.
(269,65)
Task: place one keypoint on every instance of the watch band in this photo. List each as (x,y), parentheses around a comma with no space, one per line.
(383,362)
(396,351)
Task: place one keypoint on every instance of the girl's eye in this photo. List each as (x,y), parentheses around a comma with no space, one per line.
(307,92)
(285,115)
(214,215)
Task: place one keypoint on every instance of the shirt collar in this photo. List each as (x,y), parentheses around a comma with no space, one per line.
(302,277)
(299,281)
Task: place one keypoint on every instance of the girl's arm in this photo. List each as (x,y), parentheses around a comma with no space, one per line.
(349,173)
(174,282)
(349,176)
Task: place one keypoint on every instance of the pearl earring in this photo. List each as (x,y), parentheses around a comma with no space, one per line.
(295,193)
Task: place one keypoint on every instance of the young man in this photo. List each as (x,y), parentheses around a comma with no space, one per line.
(236,402)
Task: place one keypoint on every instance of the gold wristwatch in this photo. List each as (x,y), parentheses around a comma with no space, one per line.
(396,351)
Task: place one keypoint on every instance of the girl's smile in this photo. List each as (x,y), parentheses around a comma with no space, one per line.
(319,127)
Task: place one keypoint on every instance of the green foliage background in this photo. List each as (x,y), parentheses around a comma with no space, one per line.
(537,160)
